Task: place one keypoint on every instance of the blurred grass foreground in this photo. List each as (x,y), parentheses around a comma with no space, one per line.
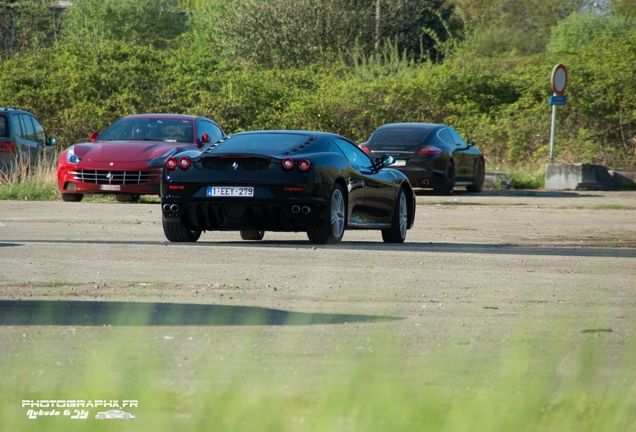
(226,368)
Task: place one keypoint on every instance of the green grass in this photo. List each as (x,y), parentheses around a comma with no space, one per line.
(612,207)
(526,179)
(40,184)
(258,378)
(35,184)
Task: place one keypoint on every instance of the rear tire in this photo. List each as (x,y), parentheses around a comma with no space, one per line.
(399,222)
(331,230)
(127,198)
(175,232)
(72,197)
(252,235)
(448,186)
(480,177)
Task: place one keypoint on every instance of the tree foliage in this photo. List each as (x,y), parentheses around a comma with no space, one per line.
(580,29)
(521,26)
(132,21)
(497,96)
(27,26)
(306,31)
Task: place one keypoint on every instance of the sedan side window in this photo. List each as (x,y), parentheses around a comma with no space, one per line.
(17,128)
(353,153)
(446,137)
(27,127)
(458,139)
(209,128)
(39,131)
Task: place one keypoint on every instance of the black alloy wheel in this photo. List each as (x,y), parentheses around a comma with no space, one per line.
(127,198)
(252,235)
(479,177)
(331,230)
(72,197)
(175,232)
(448,186)
(399,222)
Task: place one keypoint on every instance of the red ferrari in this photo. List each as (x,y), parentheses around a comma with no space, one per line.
(127,158)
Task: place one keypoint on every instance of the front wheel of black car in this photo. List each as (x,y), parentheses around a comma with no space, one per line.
(127,198)
(480,177)
(331,230)
(399,222)
(449,181)
(72,197)
(252,235)
(175,232)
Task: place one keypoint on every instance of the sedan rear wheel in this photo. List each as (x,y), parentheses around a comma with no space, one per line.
(72,197)
(399,222)
(127,198)
(449,180)
(480,176)
(175,232)
(252,235)
(331,230)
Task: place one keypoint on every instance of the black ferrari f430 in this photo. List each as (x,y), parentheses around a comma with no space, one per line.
(285,181)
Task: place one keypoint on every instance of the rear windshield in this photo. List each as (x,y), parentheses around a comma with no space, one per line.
(402,136)
(4,126)
(262,143)
(153,129)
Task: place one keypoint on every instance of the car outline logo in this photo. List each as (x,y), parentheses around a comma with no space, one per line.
(114,414)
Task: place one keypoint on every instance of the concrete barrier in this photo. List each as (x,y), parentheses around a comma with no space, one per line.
(581,176)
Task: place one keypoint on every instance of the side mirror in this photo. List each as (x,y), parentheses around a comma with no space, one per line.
(205,138)
(386,161)
(93,136)
(471,143)
(52,142)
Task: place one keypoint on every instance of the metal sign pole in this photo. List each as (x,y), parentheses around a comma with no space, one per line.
(558,81)
(553,127)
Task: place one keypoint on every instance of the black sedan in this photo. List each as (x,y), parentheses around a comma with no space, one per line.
(430,155)
(285,181)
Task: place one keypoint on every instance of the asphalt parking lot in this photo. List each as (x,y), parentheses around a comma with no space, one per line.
(500,268)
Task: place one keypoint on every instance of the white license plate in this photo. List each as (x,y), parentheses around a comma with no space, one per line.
(110,187)
(400,162)
(230,191)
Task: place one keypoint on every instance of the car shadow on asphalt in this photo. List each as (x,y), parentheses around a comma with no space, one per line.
(104,313)
(488,249)
(510,193)
(470,248)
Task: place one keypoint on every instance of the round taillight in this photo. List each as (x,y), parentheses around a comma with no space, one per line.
(304,165)
(365,149)
(171,163)
(184,162)
(288,163)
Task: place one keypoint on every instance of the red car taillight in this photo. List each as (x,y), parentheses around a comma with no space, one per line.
(184,162)
(171,163)
(365,149)
(288,164)
(304,165)
(7,147)
(430,150)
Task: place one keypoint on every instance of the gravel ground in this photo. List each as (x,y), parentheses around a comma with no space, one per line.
(477,270)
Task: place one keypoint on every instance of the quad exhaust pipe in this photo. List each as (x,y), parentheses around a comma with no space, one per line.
(304,210)
(171,208)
